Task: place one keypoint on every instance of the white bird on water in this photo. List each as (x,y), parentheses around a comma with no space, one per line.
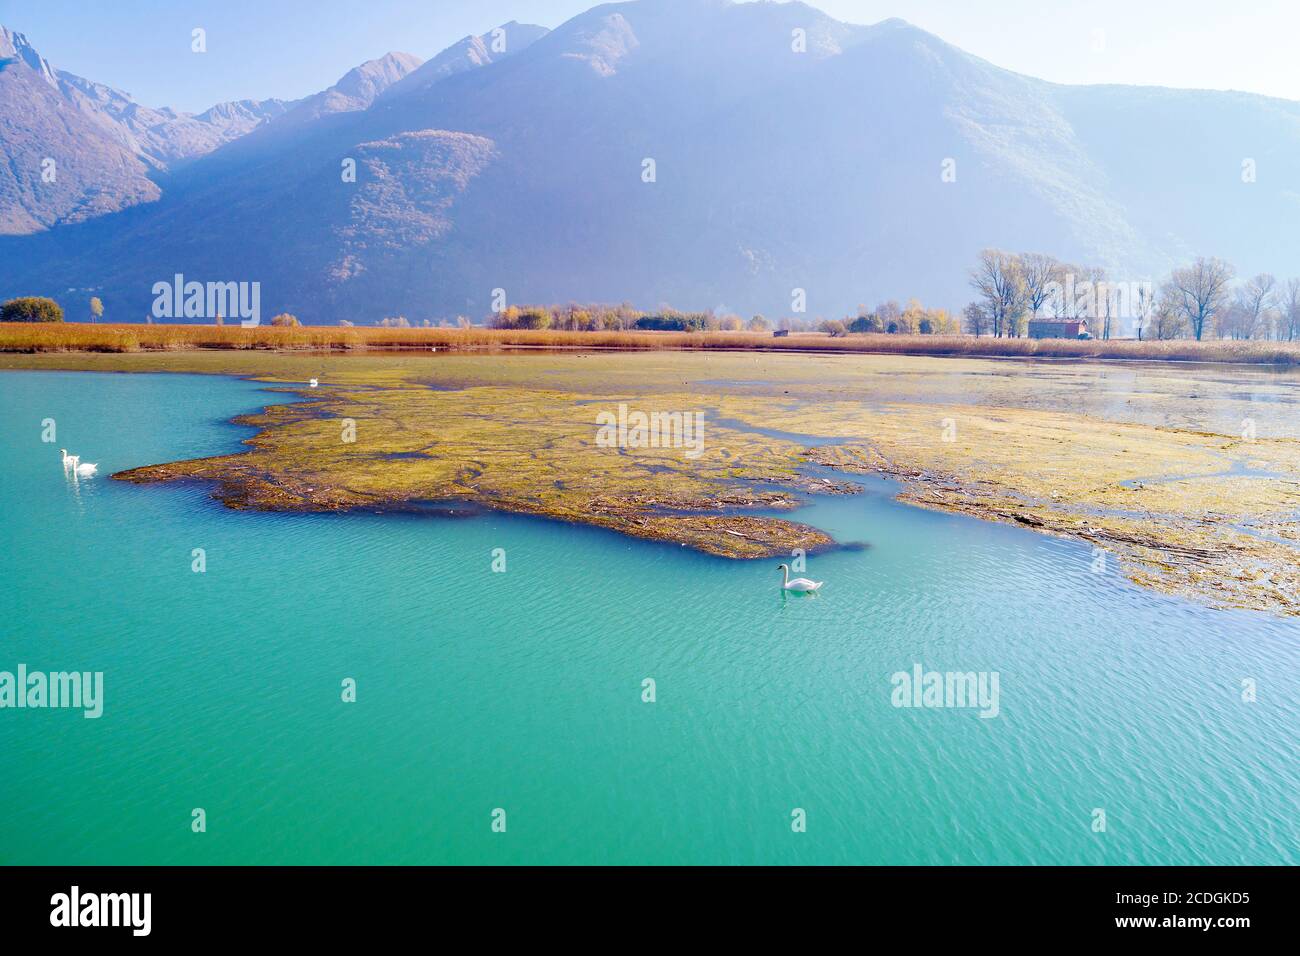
(73,463)
(802,585)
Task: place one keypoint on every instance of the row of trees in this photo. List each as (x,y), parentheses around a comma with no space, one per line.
(402,322)
(889,316)
(597,318)
(1195,301)
(1015,288)
(1261,308)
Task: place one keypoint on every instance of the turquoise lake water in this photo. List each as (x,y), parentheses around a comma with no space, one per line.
(523,690)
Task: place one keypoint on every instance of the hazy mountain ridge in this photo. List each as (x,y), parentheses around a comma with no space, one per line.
(355,90)
(522,168)
(159,139)
(101,145)
(468,54)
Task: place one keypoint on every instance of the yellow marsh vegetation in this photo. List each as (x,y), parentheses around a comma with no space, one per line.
(63,337)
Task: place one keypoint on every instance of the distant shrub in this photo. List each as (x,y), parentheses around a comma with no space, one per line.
(533,317)
(285,320)
(660,323)
(671,321)
(31,308)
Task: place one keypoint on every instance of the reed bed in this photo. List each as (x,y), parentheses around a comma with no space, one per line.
(82,337)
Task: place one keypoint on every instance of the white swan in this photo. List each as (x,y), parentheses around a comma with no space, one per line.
(86,470)
(803,585)
(313,383)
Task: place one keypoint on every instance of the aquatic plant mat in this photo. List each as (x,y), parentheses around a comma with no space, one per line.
(1188,476)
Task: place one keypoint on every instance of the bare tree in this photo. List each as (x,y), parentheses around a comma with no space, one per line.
(1064,302)
(1232,321)
(1145,308)
(1042,276)
(1167,319)
(1256,301)
(998,279)
(1289,306)
(1101,298)
(1200,290)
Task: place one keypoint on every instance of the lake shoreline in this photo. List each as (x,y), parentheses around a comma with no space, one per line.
(46,338)
(1218,528)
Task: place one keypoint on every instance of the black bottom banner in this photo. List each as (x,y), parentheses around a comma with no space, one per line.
(1227,905)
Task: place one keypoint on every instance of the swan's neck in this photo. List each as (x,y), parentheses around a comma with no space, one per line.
(785,575)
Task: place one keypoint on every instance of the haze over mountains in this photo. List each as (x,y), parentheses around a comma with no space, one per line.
(516,160)
(107,145)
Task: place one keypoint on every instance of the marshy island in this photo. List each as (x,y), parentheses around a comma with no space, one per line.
(1187,475)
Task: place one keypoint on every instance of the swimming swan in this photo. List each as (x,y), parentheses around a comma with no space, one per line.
(798,584)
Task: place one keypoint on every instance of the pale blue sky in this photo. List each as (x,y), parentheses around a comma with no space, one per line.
(289,48)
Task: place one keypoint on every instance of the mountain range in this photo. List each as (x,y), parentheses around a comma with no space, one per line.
(699,153)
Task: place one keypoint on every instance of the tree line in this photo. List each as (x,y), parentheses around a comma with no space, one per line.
(1198,300)
(576,317)
(887,317)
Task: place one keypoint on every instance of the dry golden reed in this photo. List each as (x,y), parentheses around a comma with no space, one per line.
(59,337)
